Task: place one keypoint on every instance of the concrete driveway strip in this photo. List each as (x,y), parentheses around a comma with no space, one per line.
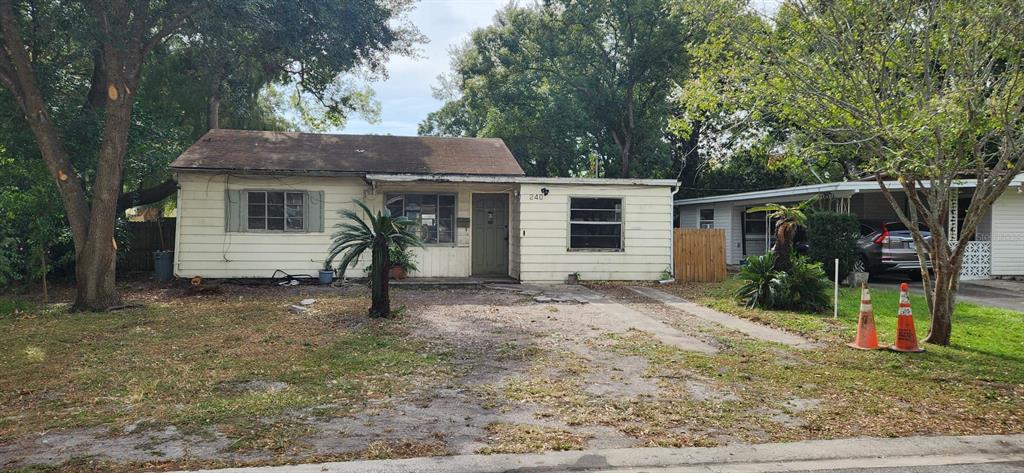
(619,318)
(849,454)
(752,329)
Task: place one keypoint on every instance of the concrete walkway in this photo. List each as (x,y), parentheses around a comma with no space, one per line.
(877,454)
(739,324)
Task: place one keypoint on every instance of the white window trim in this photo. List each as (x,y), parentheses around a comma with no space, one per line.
(621,223)
(705,223)
(244,210)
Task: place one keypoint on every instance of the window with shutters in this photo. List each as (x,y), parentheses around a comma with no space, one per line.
(595,223)
(434,215)
(273,211)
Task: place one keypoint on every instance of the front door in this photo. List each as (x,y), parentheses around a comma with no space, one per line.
(490,234)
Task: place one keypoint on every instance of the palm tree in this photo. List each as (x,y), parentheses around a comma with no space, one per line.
(787,220)
(378,233)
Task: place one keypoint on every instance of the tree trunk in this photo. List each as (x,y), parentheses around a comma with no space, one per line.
(380,304)
(94,275)
(95,264)
(943,295)
(783,246)
(213,112)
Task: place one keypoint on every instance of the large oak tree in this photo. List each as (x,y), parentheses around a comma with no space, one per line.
(929,92)
(108,44)
(574,87)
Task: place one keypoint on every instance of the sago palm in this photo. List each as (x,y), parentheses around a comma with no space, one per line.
(787,220)
(378,233)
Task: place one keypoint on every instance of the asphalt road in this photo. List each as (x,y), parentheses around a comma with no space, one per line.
(1010,467)
(992,293)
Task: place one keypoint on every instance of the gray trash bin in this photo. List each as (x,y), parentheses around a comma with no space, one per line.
(163,265)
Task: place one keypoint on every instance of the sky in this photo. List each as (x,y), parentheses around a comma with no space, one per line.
(405,96)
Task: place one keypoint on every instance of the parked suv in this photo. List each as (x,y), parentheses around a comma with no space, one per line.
(888,247)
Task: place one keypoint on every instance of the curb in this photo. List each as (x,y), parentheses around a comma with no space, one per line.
(794,456)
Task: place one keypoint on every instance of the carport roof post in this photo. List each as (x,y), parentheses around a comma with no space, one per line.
(838,189)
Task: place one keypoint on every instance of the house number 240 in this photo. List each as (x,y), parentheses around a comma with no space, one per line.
(536,196)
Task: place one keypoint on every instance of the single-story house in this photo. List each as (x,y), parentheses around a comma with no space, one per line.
(251,203)
(997,248)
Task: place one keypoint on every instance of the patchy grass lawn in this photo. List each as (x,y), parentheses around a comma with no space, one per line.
(245,381)
(237,367)
(980,330)
(974,386)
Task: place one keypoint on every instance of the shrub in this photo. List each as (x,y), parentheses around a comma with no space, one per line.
(763,286)
(803,287)
(832,235)
(806,286)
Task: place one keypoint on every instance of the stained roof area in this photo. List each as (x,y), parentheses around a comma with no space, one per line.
(274,151)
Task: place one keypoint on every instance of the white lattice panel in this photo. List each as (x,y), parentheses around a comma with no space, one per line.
(977,262)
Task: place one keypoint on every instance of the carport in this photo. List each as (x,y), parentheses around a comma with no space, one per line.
(996,249)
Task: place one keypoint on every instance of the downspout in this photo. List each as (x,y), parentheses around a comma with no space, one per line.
(672,236)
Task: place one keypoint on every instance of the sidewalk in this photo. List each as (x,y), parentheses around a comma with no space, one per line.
(796,456)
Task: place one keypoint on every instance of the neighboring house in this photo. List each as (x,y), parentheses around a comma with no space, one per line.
(251,203)
(997,249)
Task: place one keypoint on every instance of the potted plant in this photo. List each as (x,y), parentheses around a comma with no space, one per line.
(377,232)
(326,274)
(401,262)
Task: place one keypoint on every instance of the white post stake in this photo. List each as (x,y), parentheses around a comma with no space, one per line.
(835,298)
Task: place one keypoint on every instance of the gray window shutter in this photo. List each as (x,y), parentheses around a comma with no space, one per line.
(233,218)
(315,211)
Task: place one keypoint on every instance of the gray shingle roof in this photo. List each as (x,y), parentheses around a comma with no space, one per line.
(310,152)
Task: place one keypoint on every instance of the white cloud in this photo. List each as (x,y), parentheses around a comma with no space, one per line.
(406,95)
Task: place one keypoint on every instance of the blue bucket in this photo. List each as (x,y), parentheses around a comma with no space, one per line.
(326,276)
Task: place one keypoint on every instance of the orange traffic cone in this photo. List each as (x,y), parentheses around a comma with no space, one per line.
(867,336)
(906,335)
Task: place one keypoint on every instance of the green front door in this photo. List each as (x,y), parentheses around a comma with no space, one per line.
(490,234)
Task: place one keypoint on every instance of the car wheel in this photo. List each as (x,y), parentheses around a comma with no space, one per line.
(861,265)
(915,275)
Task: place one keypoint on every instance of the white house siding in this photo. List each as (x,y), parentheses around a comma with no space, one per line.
(544,225)
(689,216)
(1008,234)
(727,217)
(513,236)
(205,249)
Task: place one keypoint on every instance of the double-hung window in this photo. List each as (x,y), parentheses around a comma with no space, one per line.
(595,223)
(434,215)
(707,218)
(275,211)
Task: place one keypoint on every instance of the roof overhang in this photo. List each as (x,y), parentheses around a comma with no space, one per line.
(518,180)
(837,189)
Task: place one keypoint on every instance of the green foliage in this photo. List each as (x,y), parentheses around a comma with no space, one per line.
(573,88)
(806,286)
(832,235)
(763,285)
(787,219)
(377,233)
(802,287)
(400,257)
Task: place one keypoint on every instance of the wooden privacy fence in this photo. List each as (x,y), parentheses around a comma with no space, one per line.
(143,239)
(699,254)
